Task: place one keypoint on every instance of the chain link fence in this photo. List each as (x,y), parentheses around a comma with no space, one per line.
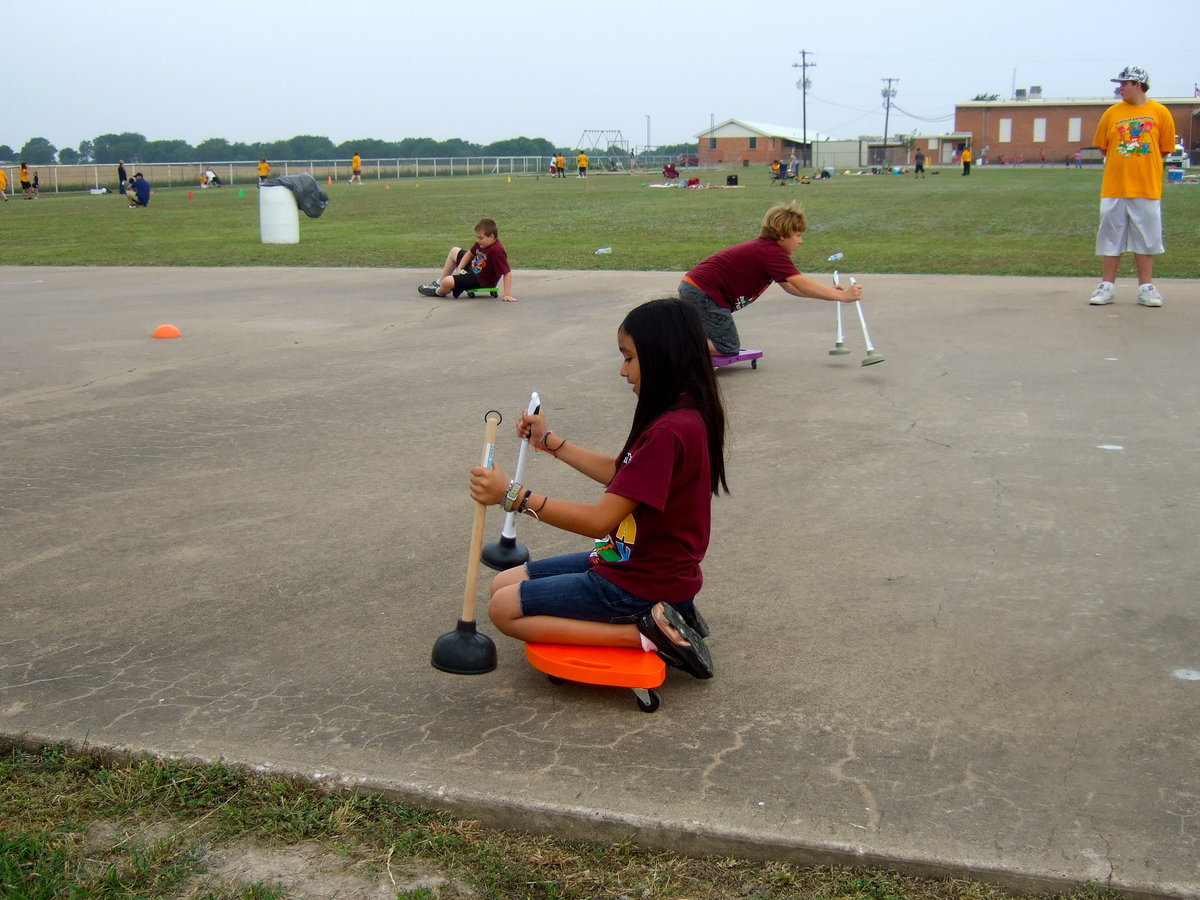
(97,177)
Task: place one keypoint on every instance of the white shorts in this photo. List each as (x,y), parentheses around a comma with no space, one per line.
(1129,224)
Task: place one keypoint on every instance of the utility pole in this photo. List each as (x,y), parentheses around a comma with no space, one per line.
(804,84)
(887,93)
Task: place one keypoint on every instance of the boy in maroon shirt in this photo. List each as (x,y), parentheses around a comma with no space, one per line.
(737,276)
(479,268)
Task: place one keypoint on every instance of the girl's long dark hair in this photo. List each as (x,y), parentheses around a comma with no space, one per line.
(672,352)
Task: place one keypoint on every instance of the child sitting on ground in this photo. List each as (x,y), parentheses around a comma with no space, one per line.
(479,268)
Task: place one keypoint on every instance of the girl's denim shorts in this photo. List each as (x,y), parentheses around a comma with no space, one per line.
(568,587)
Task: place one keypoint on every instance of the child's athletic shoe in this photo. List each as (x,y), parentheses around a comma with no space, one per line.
(1148,296)
(662,624)
(428,290)
(1104,294)
(696,621)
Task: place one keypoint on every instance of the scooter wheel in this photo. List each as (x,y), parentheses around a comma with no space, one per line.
(651,703)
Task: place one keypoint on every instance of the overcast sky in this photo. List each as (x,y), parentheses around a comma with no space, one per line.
(656,72)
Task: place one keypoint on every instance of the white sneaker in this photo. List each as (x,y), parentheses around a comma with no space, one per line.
(1148,296)
(1104,294)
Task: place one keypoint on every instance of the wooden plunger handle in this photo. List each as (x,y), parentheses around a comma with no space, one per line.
(493,420)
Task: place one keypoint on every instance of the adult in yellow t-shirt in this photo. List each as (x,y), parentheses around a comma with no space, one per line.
(356,169)
(581,160)
(3,185)
(1133,135)
(966,160)
(264,169)
(561,165)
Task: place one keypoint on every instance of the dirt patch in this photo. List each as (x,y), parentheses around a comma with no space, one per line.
(308,871)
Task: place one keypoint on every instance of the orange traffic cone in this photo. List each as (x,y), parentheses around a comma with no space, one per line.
(167,331)
(331,179)
(189,195)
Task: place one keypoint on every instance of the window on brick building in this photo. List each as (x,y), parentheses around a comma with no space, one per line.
(1074,130)
(1005,136)
(1039,131)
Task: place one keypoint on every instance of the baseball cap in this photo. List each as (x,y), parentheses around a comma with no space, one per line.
(1133,73)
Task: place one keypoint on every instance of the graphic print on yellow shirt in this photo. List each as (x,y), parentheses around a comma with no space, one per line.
(1135,136)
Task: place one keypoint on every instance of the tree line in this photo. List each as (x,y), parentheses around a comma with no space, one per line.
(135,148)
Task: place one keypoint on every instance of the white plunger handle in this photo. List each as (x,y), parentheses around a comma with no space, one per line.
(509,530)
(863,320)
(837,282)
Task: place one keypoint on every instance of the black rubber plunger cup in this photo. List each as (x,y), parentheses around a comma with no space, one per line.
(504,553)
(464,651)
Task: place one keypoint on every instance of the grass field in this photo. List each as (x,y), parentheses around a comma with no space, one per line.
(999,221)
(74,826)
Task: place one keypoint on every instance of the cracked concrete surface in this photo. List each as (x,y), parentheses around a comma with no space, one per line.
(948,618)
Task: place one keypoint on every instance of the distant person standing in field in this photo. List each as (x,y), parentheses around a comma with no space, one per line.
(582,162)
(3,184)
(26,187)
(264,169)
(562,165)
(966,160)
(1134,136)
(919,168)
(356,168)
(122,178)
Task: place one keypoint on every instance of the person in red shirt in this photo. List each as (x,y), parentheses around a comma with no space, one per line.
(737,276)
(637,587)
(482,266)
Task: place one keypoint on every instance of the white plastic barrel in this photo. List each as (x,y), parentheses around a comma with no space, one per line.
(278,215)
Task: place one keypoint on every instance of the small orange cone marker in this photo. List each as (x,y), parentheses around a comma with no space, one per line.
(331,179)
(167,331)
(190,195)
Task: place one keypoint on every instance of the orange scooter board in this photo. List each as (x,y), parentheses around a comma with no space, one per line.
(639,670)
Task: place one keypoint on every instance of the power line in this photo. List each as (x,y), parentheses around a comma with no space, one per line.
(945,118)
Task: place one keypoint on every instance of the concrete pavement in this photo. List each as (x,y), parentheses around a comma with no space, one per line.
(953,596)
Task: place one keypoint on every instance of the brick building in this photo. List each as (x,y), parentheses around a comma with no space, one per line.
(1027,126)
(737,142)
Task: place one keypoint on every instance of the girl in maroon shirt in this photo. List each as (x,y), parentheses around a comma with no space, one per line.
(637,587)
